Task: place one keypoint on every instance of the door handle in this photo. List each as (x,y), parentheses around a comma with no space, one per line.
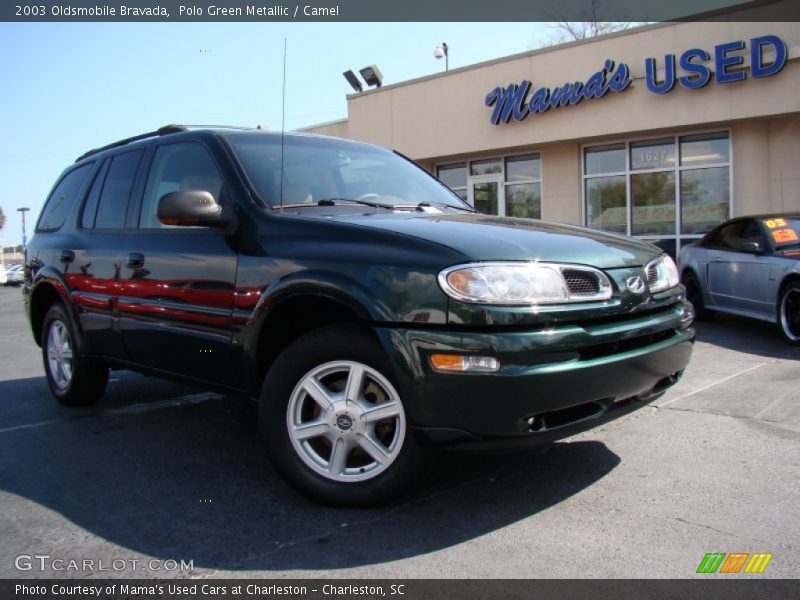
(135,260)
(67,256)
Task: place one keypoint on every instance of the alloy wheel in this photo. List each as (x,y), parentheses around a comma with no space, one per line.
(59,354)
(346,421)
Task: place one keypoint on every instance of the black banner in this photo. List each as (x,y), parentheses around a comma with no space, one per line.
(404,10)
(732,588)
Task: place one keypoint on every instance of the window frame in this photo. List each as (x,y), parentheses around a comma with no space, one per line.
(678,237)
(501,178)
(99,175)
(135,214)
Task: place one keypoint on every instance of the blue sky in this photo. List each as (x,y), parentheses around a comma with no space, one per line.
(69,87)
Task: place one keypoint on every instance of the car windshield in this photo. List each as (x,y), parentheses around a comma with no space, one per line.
(334,172)
(784,231)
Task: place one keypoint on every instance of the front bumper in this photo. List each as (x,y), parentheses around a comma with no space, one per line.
(553,382)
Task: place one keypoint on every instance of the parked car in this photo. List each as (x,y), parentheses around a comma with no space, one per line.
(3,275)
(367,308)
(748,266)
(14,275)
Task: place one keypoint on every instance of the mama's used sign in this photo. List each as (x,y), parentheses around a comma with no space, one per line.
(520,100)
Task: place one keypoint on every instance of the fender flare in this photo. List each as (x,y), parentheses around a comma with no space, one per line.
(305,284)
(50,277)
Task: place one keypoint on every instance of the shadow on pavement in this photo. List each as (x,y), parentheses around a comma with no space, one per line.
(750,336)
(192,482)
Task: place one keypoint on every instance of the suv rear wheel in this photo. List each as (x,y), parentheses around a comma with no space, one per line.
(73,380)
(334,424)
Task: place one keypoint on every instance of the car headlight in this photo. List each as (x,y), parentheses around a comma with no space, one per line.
(521,283)
(662,274)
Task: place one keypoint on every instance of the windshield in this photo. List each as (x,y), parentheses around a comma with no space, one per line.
(784,231)
(333,172)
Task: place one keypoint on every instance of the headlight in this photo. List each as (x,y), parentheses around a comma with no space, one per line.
(524,283)
(662,274)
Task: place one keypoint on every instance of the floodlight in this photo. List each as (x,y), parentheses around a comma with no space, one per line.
(353,80)
(372,75)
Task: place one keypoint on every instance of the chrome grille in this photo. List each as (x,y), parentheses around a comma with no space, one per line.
(652,274)
(581,282)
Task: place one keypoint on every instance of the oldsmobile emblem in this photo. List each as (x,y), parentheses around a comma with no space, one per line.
(635,284)
(344,422)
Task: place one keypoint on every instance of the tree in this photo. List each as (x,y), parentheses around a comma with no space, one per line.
(592,24)
(2,218)
(569,31)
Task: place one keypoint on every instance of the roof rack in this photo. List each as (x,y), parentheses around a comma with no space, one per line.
(166,130)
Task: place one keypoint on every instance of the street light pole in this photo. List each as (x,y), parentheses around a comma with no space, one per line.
(23,210)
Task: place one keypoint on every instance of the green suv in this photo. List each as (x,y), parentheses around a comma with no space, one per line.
(367,309)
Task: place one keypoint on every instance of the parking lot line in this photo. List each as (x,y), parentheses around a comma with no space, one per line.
(133,409)
(710,385)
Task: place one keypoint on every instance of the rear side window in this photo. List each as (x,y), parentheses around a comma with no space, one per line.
(113,202)
(90,206)
(62,199)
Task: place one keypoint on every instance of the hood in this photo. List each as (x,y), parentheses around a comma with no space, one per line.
(485,237)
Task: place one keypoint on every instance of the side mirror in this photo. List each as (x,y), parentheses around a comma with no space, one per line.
(751,248)
(191,208)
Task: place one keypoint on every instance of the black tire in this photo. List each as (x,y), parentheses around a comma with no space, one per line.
(86,381)
(789,313)
(694,294)
(284,401)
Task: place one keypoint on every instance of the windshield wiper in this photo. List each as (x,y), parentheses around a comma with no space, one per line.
(422,205)
(333,201)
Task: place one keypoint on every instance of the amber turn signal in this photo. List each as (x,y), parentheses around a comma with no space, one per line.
(456,363)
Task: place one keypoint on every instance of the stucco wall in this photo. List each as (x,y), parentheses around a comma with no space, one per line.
(442,118)
(445,115)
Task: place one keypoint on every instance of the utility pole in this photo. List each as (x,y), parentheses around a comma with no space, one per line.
(23,210)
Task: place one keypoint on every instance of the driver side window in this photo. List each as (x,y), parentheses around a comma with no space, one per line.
(734,235)
(186,166)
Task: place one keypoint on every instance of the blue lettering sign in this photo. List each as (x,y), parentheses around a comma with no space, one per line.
(696,74)
(757,66)
(512,101)
(507,102)
(538,102)
(621,78)
(723,61)
(702,73)
(650,69)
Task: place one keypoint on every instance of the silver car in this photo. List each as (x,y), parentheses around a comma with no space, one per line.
(748,266)
(15,275)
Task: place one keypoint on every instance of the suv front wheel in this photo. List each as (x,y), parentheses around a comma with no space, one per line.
(73,380)
(333,421)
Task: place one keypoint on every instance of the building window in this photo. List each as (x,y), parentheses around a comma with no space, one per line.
(523,183)
(667,190)
(510,186)
(455,177)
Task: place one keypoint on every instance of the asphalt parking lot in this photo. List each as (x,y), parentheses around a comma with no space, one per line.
(163,471)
